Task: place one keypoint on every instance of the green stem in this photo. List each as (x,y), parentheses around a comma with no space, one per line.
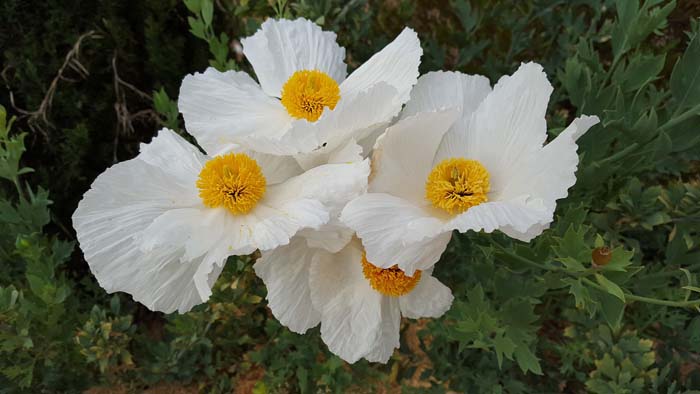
(680,118)
(20,192)
(628,296)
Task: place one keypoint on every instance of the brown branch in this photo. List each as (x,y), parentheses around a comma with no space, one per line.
(40,115)
(125,118)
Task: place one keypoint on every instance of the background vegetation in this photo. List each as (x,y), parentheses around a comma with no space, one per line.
(87,81)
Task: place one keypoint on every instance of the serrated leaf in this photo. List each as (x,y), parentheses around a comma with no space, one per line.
(610,286)
(527,361)
(196,27)
(503,346)
(207,11)
(193,5)
(634,24)
(685,77)
(619,261)
(641,70)
(612,309)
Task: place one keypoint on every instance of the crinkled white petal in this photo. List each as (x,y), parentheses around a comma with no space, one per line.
(439,90)
(396,65)
(550,172)
(276,169)
(113,218)
(394,231)
(354,117)
(403,157)
(390,331)
(272,222)
(547,175)
(347,153)
(331,184)
(517,216)
(510,123)
(332,236)
(429,298)
(285,271)
(222,109)
(351,311)
(282,47)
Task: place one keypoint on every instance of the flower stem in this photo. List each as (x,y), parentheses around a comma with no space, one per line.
(628,296)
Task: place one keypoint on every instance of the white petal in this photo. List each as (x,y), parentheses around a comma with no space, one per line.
(332,236)
(222,109)
(396,64)
(429,298)
(389,335)
(404,155)
(510,122)
(276,169)
(331,184)
(273,223)
(285,272)
(348,153)
(549,173)
(174,155)
(282,47)
(394,231)
(439,90)
(517,216)
(355,117)
(351,311)
(113,217)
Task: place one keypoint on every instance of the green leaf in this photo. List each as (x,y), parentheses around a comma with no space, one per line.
(503,346)
(527,361)
(193,5)
(197,27)
(641,70)
(612,309)
(166,107)
(634,24)
(619,261)
(207,11)
(610,286)
(572,250)
(685,77)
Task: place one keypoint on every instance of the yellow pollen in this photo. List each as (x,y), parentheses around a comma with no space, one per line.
(234,181)
(456,185)
(389,281)
(307,92)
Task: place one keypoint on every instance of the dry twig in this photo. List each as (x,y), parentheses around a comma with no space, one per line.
(39,118)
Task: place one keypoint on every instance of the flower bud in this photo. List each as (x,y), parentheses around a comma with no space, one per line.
(601,255)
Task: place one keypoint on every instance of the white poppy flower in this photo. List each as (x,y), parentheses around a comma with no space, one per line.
(304,101)
(480,165)
(358,304)
(160,226)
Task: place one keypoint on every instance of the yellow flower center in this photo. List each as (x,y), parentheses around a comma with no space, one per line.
(389,281)
(307,92)
(456,185)
(234,181)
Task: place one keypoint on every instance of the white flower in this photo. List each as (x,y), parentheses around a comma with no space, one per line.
(160,226)
(358,304)
(478,165)
(304,102)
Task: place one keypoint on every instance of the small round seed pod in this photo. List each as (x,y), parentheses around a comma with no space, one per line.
(601,256)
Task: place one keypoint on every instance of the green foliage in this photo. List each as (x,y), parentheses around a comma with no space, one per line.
(104,340)
(536,317)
